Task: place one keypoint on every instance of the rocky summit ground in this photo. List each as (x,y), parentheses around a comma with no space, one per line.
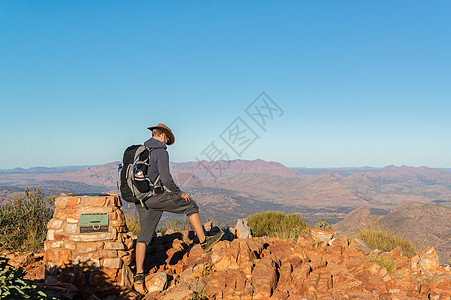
(317,266)
(270,268)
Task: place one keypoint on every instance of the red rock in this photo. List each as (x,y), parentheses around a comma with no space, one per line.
(256,245)
(117,201)
(246,255)
(301,273)
(61,202)
(285,278)
(64,256)
(121,229)
(177,245)
(113,246)
(294,260)
(87,247)
(325,282)
(35,271)
(54,224)
(425,287)
(225,256)
(305,240)
(264,277)
(442,281)
(59,237)
(359,245)
(50,255)
(397,252)
(280,250)
(340,243)
(58,213)
(156,282)
(427,259)
(112,216)
(73,201)
(93,201)
(180,295)
(241,281)
(23,260)
(214,284)
(323,234)
(113,263)
(318,262)
(280,294)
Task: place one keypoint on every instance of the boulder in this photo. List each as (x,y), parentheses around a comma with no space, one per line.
(264,278)
(156,282)
(361,246)
(427,260)
(305,240)
(242,230)
(23,260)
(323,234)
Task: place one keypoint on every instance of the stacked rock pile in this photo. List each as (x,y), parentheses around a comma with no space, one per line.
(87,242)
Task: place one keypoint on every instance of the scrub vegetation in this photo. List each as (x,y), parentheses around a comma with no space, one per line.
(277,224)
(23,221)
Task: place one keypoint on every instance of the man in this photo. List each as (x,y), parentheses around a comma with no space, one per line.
(171,200)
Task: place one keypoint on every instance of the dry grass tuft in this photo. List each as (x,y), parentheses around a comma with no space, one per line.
(277,224)
(385,262)
(378,238)
(132,220)
(175,225)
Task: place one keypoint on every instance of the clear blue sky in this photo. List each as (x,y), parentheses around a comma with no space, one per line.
(360,83)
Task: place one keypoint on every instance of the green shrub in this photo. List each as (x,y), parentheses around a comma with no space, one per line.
(277,224)
(385,241)
(23,221)
(14,286)
(323,224)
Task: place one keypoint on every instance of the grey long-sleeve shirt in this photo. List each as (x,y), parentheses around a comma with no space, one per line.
(159,164)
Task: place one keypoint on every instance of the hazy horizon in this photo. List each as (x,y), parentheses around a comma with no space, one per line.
(290,167)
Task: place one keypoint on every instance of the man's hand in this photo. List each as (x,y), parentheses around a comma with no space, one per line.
(186,196)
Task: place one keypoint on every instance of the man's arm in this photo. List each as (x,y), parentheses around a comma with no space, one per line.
(165,175)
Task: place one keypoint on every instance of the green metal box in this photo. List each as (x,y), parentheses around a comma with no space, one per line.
(93,223)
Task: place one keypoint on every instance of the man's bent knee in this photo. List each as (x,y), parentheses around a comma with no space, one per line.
(192,209)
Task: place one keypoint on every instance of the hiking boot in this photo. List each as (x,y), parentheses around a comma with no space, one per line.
(139,278)
(211,240)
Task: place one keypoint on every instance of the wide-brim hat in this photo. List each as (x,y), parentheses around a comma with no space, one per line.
(166,130)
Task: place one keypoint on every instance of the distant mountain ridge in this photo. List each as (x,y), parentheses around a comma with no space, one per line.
(223,168)
(344,171)
(332,193)
(43,170)
(424,224)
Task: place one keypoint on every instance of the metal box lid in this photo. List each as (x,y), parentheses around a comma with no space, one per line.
(93,219)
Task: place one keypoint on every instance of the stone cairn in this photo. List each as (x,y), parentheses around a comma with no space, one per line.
(87,243)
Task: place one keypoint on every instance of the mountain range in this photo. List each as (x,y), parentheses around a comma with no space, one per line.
(423,224)
(341,190)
